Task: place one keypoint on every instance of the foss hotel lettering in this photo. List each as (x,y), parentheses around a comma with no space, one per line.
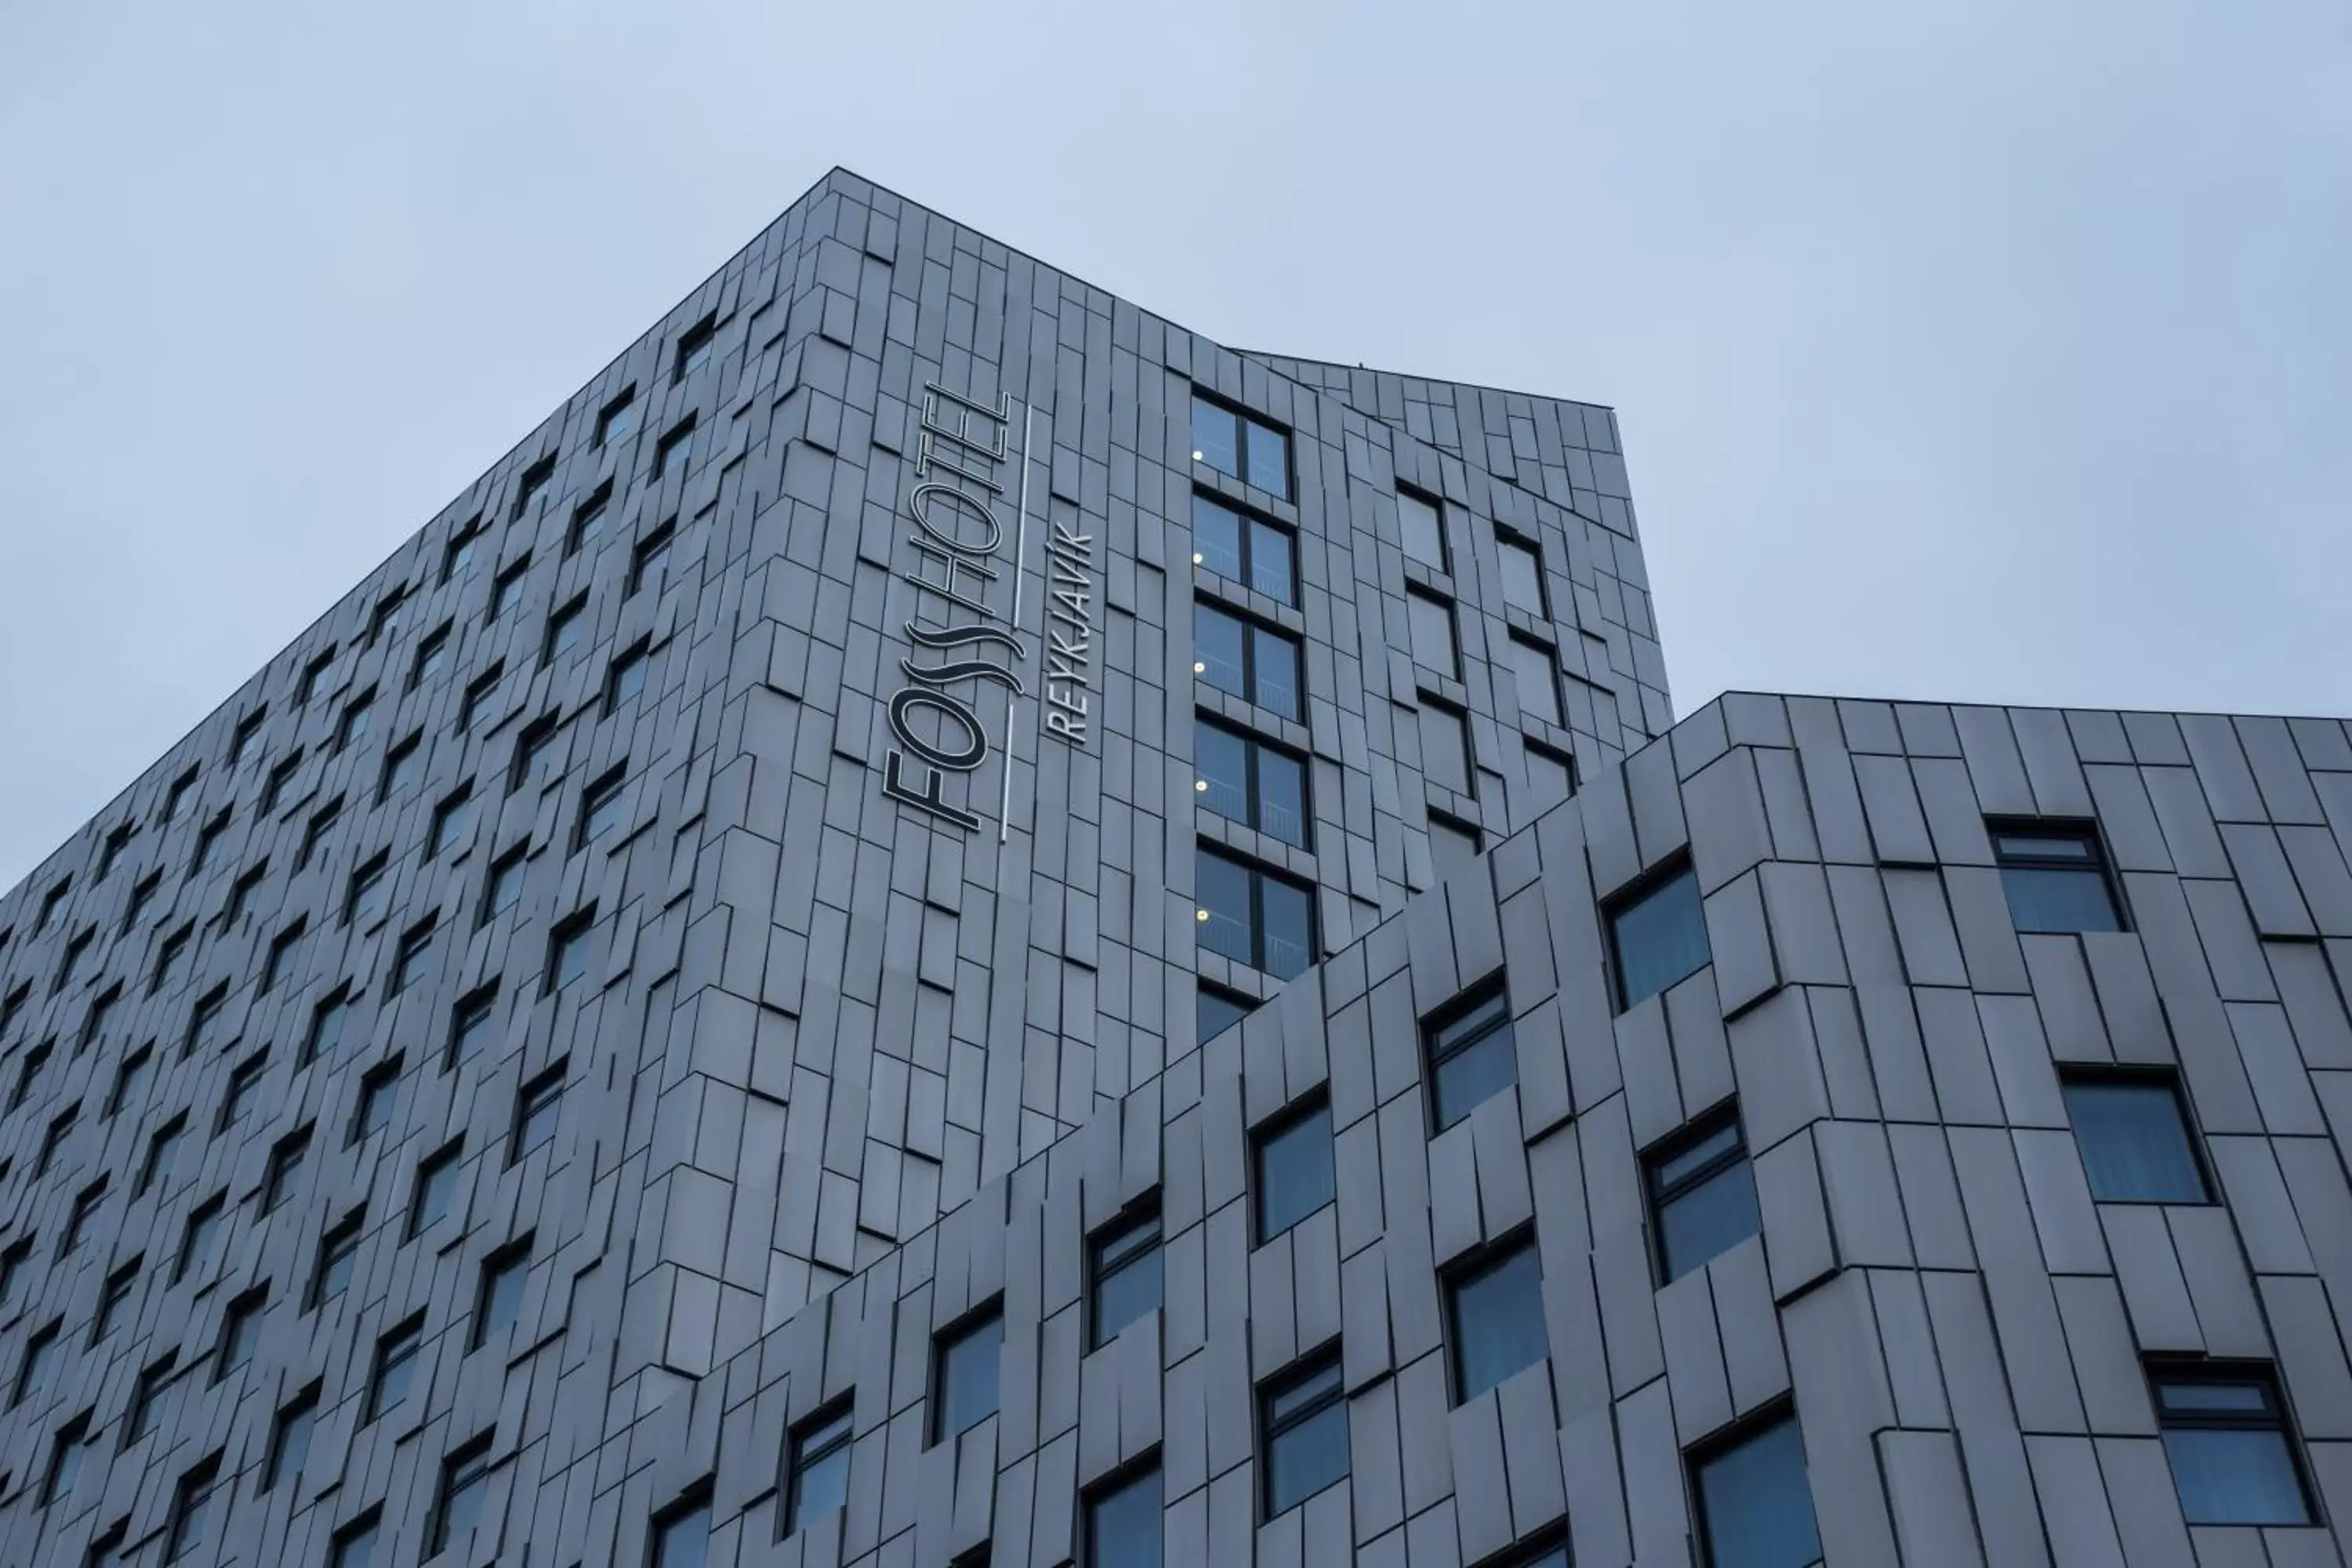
(958,538)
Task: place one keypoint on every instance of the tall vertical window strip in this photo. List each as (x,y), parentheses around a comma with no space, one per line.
(1246,781)
(1217,1011)
(1254,917)
(1304,1418)
(1242,444)
(1535,674)
(1422,520)
(964,1376)
(1431,622)
(1472,1054)
(820,1468)
(1496,1319)
(1657,934)
(1255,663)
(1124,1273)
(1755,1507)
(2135,1141)
(2225,1438)
(1446,746)
(2055,880)
(1294,1170)
(1523,586)
(1702,1197)
(1123,1523)
(1243,549)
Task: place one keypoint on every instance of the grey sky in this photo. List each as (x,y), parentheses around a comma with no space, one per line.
(2000,354)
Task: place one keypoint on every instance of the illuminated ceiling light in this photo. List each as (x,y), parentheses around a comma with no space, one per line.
(1200,668)
(1196,558)
(1197,457)
(1200,915)
(1201,787)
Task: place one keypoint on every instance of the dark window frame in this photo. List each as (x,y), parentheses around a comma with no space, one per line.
(1415,593)
(464,1468)
(1508,538)
(811,1442)
(1116,1245)
(2077,829)
(2151,1075)
(1242,419)
(1463,1024)
(1738,1434)
(543,1090)
(1444,565)
(1252,628)
(1309,1368)
(396,1347)
(1148,1465)
(533,480)
(1461,1273)
(636,658)
(1245,546)
(1252,745)
(945,1343)
(303,1406)
(1290,1118)
(575,927)
(694,349)
(623,402)
(1259,873)
(1658,1193)
(512,1258)
(338,1241)
(588,519)
(375,1084)
(1617,905)
(430,1169)
(675,447)
(650,549)
(2277,1415)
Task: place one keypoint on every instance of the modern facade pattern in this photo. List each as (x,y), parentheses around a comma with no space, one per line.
(947,924)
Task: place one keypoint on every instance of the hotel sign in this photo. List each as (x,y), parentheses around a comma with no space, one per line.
(958,537)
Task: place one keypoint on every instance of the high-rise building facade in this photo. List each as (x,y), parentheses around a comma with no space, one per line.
(947,924)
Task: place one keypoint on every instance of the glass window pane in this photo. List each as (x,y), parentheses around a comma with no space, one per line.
(1424,531)
(1522,577)
(2134,1146)
(1444,749)
(2057,899)
(2233,1398)
(1452,847)
(685,1541)
(1217,538)
(1271,571)
(1123,1525)
(1305,1459)
(1276,671)
(1221,762)
(968,1368)
(1687,1161)
(1499,1322)
(1707,1220)
(820,1488)
(1476,1074)
(1218,1013)
(1548,782)
(1223,891)
(1126,1293)
(1660,939)
(1282,796)
(1538,687)
(1758,1507)
(1269,458)
(1217,644)
(1289,928)
(1216,437)
(2235,1476)
(1294,1174)
(1431,625)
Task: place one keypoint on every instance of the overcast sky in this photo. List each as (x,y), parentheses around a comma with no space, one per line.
(2003,356)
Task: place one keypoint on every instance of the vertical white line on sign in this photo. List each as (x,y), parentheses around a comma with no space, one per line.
(1020,562)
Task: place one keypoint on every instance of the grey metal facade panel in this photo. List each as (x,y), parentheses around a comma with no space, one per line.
(838,1075)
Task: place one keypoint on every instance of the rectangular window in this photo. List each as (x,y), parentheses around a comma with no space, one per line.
(285,1166)
(1754,1504)
(177,795)
(285,956)
(1242,549)
(1303,1416)
(143,893)
(1657,934)
(198,1235)
(1251,450)
(116,842)
(339,1253)
(1290,1161)
(498,1297)
(502,890)
(167,959)
(1217,1010)
(161,1148)
(567,949)
(2226,1437)
(600,808)
(819,1482)
(1430,620)
(964,1365)
(200,1023)
(315,832)
(111,1297)
(85,1203)
(1423,520)
(1472,1054)
(1122,1521)
(1255,663)
(2055,878)
(1453,845)
(432,657)
(190,1522)
(64,1460)
(1535,673)
(1123,1276)
(453,820)
(1495,1316)
(395,1363)
(588,519)
(139,1417)
(314,676)
(566,629)
(400,765)
(464,1486)
(1702,1195)
(479,691)
(627,678)
(533,750)
(469,1026)
(435,1190)
(676,451)
(60,1126)
(354,1544)
(506,591)
(1446,746)
(240,1333)
(536,1106)
(358,715)
(326,1031)
(290,1439)
(694,349)
(363,901)
(372,1114)
(241,1085)
(1243,780)
(52,902)
(458,554)
(28,1072)
(12,1266)
(33,1371)
(273,793)
(534,479)
(207,836)
(618,419)
(1523,577)
(649,561)
(2134,1139)
(408,964)
(1254,917)
(389,613)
